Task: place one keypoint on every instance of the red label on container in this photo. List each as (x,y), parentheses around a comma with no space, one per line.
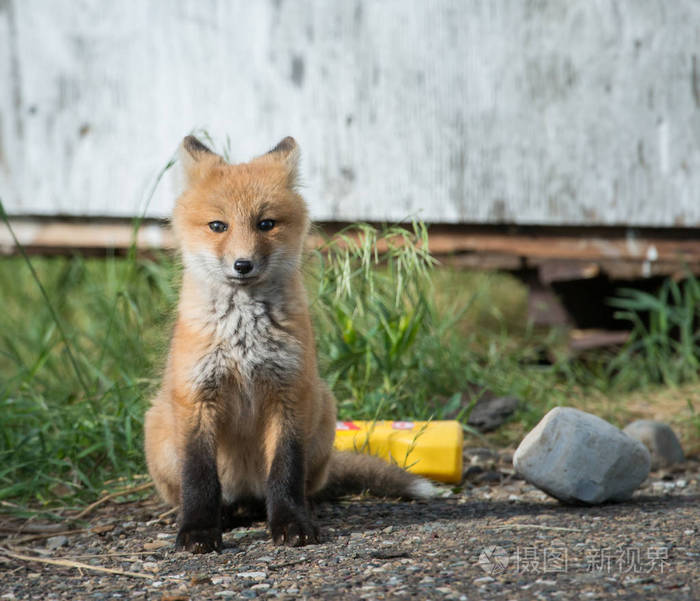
(346,426)
(402,425)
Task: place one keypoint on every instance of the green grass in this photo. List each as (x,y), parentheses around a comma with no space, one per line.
(665,331)
(72,407)
(397,338)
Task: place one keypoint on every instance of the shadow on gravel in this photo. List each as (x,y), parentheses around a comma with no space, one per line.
(367,514)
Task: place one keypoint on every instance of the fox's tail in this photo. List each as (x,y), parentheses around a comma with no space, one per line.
(354,473)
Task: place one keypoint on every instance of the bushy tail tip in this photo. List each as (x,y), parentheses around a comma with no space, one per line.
(354,473)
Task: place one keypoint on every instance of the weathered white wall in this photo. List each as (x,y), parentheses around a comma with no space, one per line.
(549,112)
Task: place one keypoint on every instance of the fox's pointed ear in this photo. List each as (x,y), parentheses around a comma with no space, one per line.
(196,158)
(286,153)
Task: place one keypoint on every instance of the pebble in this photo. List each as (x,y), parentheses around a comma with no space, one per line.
(56,542)
(253,575)
(151,566)
(262,586)
(489,413)
(663,444)
(483,580)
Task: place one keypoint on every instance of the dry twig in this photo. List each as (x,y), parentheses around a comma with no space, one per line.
(165,514)
(111,496)
(73,564)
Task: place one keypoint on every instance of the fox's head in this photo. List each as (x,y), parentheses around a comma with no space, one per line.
(240,225)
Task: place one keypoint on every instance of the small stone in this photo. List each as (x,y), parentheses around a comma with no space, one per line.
(155,545)
(472,472)
(660,439)
(56,542)
(262,586)
(489,413)
(483,580)
(225,594)
(489,477)
(578,457)
(253,575)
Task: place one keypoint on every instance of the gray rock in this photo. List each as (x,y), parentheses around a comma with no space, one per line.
(489,413)
(662,442)
(579,458)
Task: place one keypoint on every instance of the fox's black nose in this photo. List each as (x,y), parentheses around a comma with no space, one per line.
(243,266)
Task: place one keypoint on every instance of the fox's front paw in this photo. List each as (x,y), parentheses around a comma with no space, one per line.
(292,526)
(199,540)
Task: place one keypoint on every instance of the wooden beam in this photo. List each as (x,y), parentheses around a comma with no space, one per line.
(559,253)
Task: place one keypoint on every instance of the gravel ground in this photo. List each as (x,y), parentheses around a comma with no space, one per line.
(496,538)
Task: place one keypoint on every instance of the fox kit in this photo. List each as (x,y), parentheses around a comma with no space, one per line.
(242,415)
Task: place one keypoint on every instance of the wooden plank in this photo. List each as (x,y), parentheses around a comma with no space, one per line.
(558,253)
(61,236)
(574,244)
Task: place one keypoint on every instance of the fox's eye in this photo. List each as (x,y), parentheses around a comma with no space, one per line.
(218,226)
(266,225)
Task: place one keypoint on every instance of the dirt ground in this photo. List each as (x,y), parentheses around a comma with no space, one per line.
(496,538)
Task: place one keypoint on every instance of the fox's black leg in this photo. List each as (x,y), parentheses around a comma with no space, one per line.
(200,518)
(287,512)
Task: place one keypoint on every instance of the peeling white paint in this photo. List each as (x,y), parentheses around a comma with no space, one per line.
(454,111)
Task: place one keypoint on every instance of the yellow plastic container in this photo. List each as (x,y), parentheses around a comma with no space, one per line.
(431,449)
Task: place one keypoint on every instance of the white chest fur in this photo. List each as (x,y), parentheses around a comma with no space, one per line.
(249,343)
